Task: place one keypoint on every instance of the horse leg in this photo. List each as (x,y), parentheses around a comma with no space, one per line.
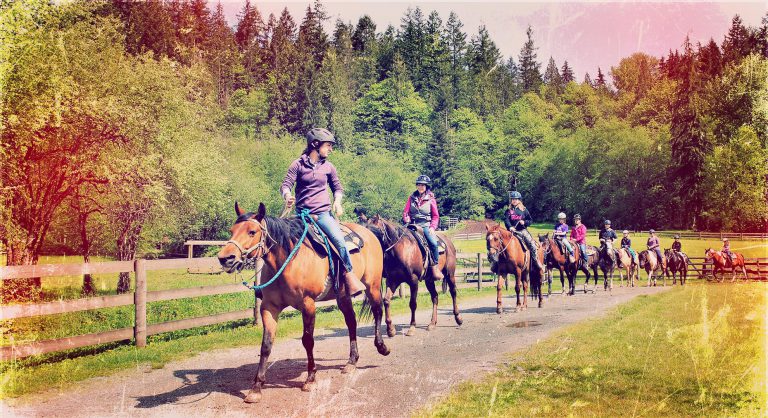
(549,282)
(499,308)
(388,317)
(450,280)
(308,340)
(373,295)
(345,306)
(562,280)
(414,287)
(269,316)
(518,286)
(526,284)
(432,292)
(744,270)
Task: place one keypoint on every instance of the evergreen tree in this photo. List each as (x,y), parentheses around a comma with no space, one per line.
(530,73)
(364,35)
(386,52)
(412,44)
(738,41)
(250,27)
(552,76)
(567,73)
(588,80)
(435,65)
(600,83)
(222,55)
(456,41)
(285,71)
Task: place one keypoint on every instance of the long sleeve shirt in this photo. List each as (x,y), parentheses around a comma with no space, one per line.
(512,218)
(312,181)
(422,210)
(579,234)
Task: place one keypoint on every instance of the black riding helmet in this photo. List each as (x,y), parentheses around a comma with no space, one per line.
(425,180)
(316,137)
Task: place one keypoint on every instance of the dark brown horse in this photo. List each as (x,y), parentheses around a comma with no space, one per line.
(677,263)
(302,283)
(607,263)
(721,264)
(555,258)
(507,256)
(404,264)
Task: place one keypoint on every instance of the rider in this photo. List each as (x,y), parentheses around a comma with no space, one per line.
(727,250)
(517,216)
(626,243)
(421,210)
(312,173)
(677,246)
(561,230)
(607,234)
(653,244)
(579,236)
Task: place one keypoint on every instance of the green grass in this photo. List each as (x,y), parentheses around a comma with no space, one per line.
(692,247)
(59,370)
(698,350)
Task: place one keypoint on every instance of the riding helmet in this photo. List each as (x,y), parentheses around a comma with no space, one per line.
(651,231)
(515,195)
(607,222)
(422,179)
(677,236)
(561,215)
(319,135)
(576,216)
(725,239)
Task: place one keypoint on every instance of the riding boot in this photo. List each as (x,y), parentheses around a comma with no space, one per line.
(436,273)
(533,249)
(354,285)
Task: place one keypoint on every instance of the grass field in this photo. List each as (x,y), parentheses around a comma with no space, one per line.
(693,351)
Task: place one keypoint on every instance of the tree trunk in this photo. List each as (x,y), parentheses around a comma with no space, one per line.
(20,289)
(85,247)
(126,251)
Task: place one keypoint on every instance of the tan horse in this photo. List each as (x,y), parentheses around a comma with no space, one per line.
(508,257)
(721,263)
(627,265)
(300,285)
(651,264)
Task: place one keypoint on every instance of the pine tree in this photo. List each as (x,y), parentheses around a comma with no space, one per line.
(386,50)
(482,54)
(710,60)
(284,66)
(342,37)
(435,65)
(222,55)
(250,27)
(412,43)
(456,41)
(364,35)
(738,41)
(567,73)
(588,80)
(552,76)
(530,73)
(600,83)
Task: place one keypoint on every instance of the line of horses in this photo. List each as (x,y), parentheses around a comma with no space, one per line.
(392,251)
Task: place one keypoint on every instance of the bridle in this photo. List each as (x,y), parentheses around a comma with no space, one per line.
(245,252)
(503,250)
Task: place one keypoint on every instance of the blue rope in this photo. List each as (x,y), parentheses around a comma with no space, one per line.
(304,214)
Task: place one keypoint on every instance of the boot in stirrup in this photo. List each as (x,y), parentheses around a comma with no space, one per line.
(436,273)
(354,285)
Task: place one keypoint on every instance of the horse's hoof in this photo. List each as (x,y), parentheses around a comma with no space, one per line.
(517,309)
(391,332)
(499,310)
(459,321)
(253,397)
(540,303)
(411,330)
(307,386)
(348,368)
(430,327)
(383,350)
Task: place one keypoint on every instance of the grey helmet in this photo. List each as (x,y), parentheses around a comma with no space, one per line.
(514,194)
(576,216)
(422,179)
(607,222)
(317,136)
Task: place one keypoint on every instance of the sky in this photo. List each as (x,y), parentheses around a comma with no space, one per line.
(588,34)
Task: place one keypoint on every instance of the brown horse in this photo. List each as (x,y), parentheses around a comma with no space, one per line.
(626,265)
(677,264)
(721,263)
(404,264)
(651,264)
(301,283)
(556,259)
(507,256)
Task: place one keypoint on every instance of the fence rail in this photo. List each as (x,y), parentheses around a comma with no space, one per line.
(139,298)
(666,234)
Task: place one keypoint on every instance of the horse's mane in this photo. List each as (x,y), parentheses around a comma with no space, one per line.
(283,231)
(389,234)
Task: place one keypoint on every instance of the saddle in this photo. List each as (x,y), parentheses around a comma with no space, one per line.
(418,233)
(352,240)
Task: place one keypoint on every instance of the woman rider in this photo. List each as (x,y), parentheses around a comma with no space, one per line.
(579,236)
(654,245)
(312,174)
(421,210)
(626,243)
(517,219)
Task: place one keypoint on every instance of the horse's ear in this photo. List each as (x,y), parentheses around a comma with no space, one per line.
(238,210)
(261,213)
(487,228)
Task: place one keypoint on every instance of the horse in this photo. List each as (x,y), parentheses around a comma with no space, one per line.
(607,263)
(404,264)
(591,262)
(555,258)
(649,262)
(507,256)
(626,265)
(304,279)
(721,264)
(677,263)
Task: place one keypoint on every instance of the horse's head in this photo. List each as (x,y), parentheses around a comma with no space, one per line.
(375,220)
(709,253)
(361,216)
(494,241)
(248,240)
(642,258)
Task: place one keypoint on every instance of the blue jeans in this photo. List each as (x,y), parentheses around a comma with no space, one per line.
(432,240)
(330,227)
(584,255)
(567,245)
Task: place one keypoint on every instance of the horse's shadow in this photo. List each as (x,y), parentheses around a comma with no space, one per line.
(200,383)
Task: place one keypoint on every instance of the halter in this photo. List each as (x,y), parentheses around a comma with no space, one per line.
(244,252)
(506,245)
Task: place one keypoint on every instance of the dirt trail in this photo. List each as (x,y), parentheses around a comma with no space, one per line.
(419,369)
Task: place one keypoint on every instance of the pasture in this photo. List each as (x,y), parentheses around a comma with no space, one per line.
(698,350)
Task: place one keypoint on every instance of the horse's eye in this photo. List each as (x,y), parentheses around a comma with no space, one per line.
(252,233)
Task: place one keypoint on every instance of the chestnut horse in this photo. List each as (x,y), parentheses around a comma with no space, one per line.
(651,264)
(303,280)
(404,264)
(626,265)
(555,258)
(677,263)
(721,263)
(507,256)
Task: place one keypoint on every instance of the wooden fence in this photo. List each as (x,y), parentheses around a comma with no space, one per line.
(666,234)
(139,298)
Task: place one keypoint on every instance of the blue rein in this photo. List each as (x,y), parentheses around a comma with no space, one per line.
(304,215)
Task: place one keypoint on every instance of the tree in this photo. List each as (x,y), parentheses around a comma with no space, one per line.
(456,42)
(530,73)
(567,73)
(483,60)
(250,27)
(222,56)
(553,80)
(284,74)
(364,35)
(738,42)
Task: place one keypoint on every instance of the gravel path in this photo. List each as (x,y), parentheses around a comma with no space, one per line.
(419,370)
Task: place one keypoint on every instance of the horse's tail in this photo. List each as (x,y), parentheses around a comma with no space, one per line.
(365,314)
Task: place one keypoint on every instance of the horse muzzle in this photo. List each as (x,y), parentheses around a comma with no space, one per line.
(230,264)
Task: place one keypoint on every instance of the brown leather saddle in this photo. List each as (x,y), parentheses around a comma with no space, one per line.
(352,240)
(418,233)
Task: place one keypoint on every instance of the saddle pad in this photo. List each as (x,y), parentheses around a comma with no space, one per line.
(352,240)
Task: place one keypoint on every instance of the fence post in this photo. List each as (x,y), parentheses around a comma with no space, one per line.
(479,271)
(190,250)
(257,301)
(140,301)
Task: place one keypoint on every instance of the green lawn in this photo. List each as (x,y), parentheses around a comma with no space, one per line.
(693,351)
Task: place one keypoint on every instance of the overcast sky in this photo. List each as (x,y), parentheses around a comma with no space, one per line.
(587,34)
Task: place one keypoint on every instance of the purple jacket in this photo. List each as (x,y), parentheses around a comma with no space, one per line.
(561,230)
(312,181)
